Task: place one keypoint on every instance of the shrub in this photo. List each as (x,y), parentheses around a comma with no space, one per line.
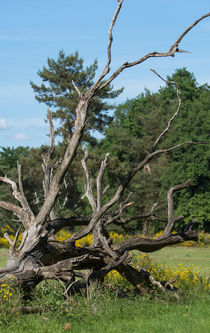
(187,277)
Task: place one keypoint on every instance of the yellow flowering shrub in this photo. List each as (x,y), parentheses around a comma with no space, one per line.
(85,241)
(203,239)
(117,238)
(7,229)
(4,242)
(188,277)
(115,279)
(63,235)
(6,291)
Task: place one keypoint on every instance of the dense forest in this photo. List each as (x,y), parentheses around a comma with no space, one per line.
(130,131)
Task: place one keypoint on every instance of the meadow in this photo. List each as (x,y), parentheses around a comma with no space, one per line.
(114,310)
(187,256)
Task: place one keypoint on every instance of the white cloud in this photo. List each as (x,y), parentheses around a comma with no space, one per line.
(20,136)
(3,123)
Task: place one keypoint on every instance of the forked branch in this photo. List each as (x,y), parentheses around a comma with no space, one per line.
(171,218)
(107,68)
(170,53)
(25,213)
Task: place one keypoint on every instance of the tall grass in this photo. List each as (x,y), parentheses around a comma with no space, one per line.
(106,311)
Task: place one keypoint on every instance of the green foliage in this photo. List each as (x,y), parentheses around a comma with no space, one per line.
(9,157)
(57,92)
(137,123)
(191,161)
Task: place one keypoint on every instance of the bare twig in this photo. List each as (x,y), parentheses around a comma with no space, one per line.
(12,242)
(99,181)
(107,68)
(174,115)
(76,88)
(23,200)
(46,166)
(170,53)
(25,214)
(89,192)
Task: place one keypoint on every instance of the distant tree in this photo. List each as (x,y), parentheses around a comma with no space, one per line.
(137,123)
(193,123)
(9,157)
(58,92)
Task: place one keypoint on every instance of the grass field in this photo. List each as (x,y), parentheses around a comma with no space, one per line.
(3,256)
(130,313)
(105,313)
(187,256)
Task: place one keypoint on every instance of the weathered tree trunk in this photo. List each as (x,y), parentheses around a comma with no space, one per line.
(40,256)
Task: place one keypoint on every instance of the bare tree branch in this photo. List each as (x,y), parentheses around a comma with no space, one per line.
(148,245)
(171,219)
(99,181)
(141,216)
(46,166)
(89,192)
(81,114)
(12,242)
(173,49)
(24,202)
(76,88)
(15,191)
(107,68)
(174,115)
(25,214)
(18,211)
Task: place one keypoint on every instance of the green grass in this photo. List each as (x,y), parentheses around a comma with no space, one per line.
(106,313)
(187,256)
(3,256)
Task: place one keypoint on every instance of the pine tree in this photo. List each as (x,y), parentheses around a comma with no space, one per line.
(58,93)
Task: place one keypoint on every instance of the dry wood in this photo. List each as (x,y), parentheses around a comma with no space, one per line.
(40,256)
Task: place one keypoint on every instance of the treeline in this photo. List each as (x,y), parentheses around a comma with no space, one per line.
(128,135)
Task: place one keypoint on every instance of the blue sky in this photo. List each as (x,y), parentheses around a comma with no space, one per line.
(33,30)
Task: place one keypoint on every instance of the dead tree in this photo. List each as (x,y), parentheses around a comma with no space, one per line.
(40,256)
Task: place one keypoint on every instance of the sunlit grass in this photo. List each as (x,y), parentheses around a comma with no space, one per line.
(173,256)
(105,312)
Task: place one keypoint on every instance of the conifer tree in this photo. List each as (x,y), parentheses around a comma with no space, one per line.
(57,91)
